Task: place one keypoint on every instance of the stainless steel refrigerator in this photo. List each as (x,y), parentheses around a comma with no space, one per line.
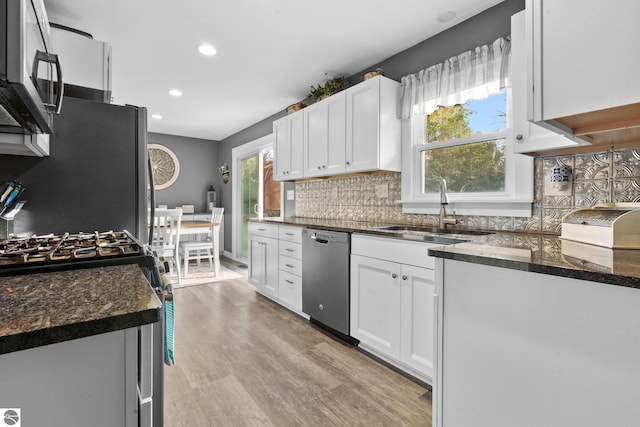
(96,177)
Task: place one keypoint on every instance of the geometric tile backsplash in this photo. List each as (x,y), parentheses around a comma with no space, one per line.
(605,176)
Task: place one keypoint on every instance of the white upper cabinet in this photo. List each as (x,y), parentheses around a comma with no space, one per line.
(585,63)
(528,136)
(86,62)
(373,126)
(324,136)
(356,130)
(288,147)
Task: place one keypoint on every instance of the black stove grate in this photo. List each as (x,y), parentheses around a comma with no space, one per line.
(70,251)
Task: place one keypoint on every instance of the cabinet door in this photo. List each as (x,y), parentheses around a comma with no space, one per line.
(336,134)
(596,65)
(315,138)
(417,323)
(270,247)
(375,304)
(528,137)
(296,131)
(257,262)
(282,148)
(363,132)
(288,147)
(324,136)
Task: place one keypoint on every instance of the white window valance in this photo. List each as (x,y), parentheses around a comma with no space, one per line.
(475,74)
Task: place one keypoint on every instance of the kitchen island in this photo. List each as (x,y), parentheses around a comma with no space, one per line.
(534,330)
(69,344)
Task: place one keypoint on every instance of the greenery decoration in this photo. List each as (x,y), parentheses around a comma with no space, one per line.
(331,87)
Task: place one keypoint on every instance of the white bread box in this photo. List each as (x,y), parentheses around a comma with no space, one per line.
(611,225)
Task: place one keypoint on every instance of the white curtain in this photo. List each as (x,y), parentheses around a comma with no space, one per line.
(475,74)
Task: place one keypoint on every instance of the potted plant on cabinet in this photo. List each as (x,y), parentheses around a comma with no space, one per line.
(331,87)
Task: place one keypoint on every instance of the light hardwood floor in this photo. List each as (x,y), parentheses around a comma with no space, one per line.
(242,360)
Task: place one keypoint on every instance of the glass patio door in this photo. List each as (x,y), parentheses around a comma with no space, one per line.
(260,196)
(249,196)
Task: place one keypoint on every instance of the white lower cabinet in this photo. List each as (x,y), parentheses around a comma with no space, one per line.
(263,258)
(290,265)
(417,318)
(392,303)
(275,263)
(89,381)
(375,304)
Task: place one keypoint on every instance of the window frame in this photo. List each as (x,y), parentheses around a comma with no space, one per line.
(516,200)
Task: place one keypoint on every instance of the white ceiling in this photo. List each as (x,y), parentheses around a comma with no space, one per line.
(269,51)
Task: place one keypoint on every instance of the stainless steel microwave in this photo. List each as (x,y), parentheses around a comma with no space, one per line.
(31,86)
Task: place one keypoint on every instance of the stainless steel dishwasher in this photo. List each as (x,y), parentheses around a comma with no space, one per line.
(325,279)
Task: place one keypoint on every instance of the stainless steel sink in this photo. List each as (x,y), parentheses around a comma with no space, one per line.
(430,230)
(434,238)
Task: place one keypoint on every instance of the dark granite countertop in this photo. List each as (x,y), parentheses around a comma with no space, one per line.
(535,252)
(549,255)
(46,308)
(362,227)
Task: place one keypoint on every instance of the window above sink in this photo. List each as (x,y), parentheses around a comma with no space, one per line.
(460,128)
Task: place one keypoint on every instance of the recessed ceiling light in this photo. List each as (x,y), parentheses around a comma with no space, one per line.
(446,16)
(175,92)
(207,49)
(156,116)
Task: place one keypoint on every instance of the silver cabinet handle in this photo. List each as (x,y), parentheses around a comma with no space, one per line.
(519,137)
(319,167)
(348,163)
(288,250)
(394,275)
(289,234)
(288,281)
(324,166)
(288,265)
(262,229)
(404,277)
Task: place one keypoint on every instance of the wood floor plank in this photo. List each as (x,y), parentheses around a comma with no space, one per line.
(244,360)
(228,403)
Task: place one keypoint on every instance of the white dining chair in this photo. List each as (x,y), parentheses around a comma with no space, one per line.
(204,249)
(166,236)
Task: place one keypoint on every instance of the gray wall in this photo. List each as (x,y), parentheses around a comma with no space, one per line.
(478,30)
(198,169)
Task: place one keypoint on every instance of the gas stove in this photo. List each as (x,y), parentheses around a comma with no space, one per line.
(70,251)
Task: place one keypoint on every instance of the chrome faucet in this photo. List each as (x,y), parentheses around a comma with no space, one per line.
(444,200)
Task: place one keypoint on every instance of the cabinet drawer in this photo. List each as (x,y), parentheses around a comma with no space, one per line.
(396,250)
(290,291)
(262,229)
(291,249)
(291,265)
(292,234)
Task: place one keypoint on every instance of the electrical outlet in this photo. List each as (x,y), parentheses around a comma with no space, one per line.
(382,191)
(552,189)
(290,195)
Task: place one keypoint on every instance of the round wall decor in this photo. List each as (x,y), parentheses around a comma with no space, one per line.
(164,164)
